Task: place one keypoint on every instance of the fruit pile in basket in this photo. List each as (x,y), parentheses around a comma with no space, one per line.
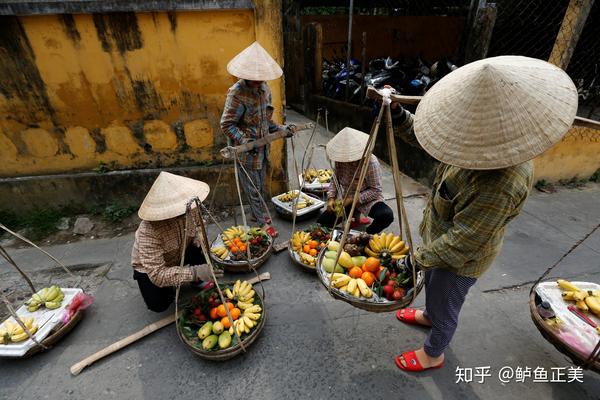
(49,297)
(289,197)
(12,332)
(205,322)
(369,267)
(311,175)
(585,300)
(309,242)
(236,240)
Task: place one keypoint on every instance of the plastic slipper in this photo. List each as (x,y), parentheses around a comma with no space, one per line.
(271,231)
(408,317)
(360,221)
(412,362)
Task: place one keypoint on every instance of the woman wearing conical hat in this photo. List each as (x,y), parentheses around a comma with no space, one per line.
(484,122)
(346,149)
(160,238)
(247,116)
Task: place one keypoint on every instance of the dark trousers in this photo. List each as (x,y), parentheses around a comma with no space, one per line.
(381,214)
(445,294)
(158,298)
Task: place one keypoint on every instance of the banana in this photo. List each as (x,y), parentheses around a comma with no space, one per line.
(362,286)
(52,305)
(255,308)
(23,336)
(397,246)
(229,293)
(374,244)
(370,252)
(252,316)
(248,322)
(356,292)
(563,284)
(236,286)
(594,304)
(582,305)
(53,293)
(568,295)
(344,288)
(352,285)
(341,281)
(247,298)
(580,296)
(368,294)
(244,305)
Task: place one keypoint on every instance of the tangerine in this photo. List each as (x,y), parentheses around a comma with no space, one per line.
(368,277)
(221,311)
(235,313)
(312,244)
(230,306)
(372,264)
(313,252)
(355,272)
(226,323)
(213,313)
(306,248)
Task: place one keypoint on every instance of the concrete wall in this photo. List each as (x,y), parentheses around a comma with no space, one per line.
(131,89)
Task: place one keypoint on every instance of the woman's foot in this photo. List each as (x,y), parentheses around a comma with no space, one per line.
(413,316)
(418,360)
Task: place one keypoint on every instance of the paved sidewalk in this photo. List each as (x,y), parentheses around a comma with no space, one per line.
(314,346)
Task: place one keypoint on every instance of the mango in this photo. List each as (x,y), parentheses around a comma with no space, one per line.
(217,328)
(328,266)
(345,260)
(359,260)
(333,245)
(210,342)
(205,330)
(224,340)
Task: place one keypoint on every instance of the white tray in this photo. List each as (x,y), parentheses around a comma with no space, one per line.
(550,292)
(314,185)
(45,319)
(288,206)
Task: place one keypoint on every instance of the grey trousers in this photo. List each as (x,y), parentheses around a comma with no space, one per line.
(445,294)
(258,177)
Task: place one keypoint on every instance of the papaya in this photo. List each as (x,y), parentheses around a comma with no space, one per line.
(205,330)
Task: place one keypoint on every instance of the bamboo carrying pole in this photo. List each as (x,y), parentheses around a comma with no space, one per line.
(153,327)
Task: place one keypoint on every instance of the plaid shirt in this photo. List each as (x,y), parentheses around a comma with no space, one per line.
(371,191)
(157,251)
(247,115)
(466,216)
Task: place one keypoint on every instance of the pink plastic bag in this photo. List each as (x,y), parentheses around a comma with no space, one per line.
(81,301)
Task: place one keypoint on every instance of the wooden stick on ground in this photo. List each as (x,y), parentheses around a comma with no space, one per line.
(153,327)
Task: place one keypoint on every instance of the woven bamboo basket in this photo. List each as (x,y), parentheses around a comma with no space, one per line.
(231,352)
(296,260)
(577,357)
(56,335)
(372,305)
(242,266)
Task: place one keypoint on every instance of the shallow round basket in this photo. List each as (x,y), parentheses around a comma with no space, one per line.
(577,357)
(56,334)
(226,354)
(296,260)
(372,304)
(241,266)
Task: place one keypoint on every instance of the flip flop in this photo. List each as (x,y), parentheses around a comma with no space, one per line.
(412,362)
(361,221)
(408,317)
(271,231)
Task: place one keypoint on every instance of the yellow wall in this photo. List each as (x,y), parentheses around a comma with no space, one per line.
(576,156)
(127,89)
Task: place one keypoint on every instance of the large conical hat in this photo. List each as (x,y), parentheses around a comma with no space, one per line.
(254,63)
(169,195)
(347,146)
(496,112)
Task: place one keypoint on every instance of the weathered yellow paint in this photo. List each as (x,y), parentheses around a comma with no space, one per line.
(576,156)
(573,22)
(198,133)
(120,82)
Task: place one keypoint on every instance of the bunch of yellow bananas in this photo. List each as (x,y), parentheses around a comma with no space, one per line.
(50,297)
(299,239)
(386,242)
(220,251)
(309,175)
(288,196)
(12,332)
(585,300)
(355,287)
(324,175)
(242,292)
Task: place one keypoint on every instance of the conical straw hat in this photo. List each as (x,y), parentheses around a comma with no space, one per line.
(496,112)
(254,63)
(169,195)
(347,146)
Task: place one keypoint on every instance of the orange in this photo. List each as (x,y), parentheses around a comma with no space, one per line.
(221,311)
(235,313)
(230,306)
(313,244)
(322,244)
(213,313)
(306,248)
(368,277)
(355,272)
(313,252)
(371,265)
(225,322)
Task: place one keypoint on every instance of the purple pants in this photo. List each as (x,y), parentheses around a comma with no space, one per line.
(445,294)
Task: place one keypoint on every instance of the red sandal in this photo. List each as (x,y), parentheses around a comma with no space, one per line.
(412,362)
(408,317)
(271,231)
